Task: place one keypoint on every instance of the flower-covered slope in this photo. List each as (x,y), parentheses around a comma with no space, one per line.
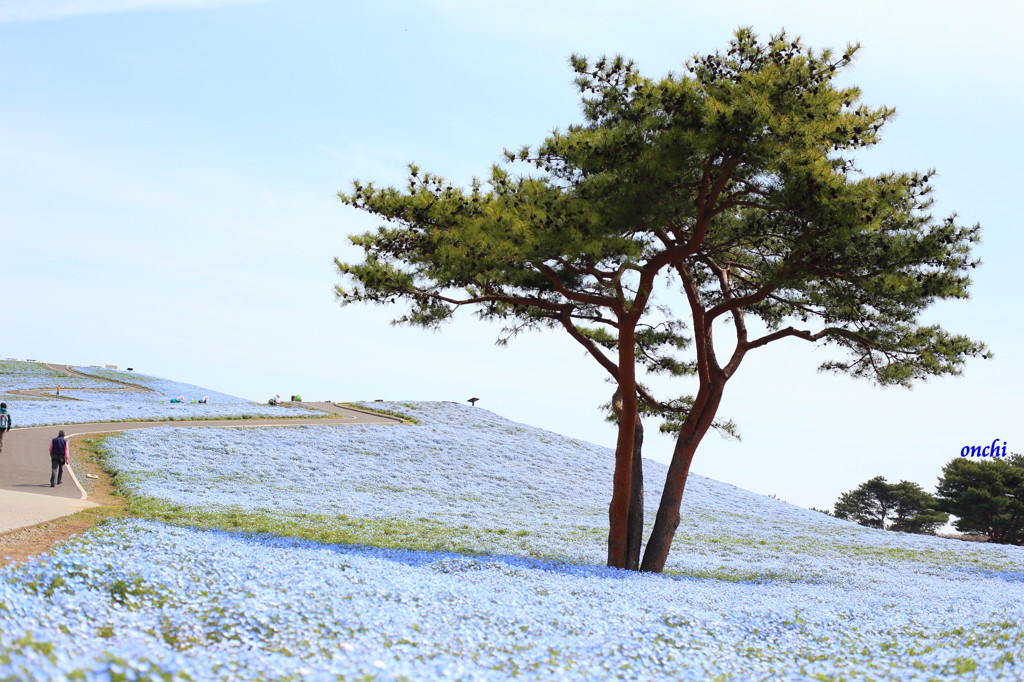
(106,398)
(141,600)
(17,375)
(757,589)
(464,470)
(164,389)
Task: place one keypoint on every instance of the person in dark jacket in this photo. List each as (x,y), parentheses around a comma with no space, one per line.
(5,423)
(59,451)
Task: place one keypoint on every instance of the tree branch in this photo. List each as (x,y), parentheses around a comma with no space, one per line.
(807,335)
(702,335)
(556,282)
(590,345)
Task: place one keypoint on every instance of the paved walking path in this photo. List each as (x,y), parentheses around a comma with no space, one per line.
(26,497)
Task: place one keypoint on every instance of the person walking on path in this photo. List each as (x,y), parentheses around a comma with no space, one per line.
(58,457)
(5,423)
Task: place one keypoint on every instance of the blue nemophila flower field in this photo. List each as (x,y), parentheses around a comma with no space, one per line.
(469,547)
(19,375)
(142,598)
(532,492)
(98,399)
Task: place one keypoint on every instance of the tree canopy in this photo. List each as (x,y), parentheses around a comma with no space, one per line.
(735,184)
(902,506)
(986,497)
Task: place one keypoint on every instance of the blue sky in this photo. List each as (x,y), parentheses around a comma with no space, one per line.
(168,176)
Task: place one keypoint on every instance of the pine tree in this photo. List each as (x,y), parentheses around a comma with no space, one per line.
(902,506)
(737,183)
(986,497)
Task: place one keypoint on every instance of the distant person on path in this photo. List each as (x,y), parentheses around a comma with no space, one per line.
(5,423)
(58,457)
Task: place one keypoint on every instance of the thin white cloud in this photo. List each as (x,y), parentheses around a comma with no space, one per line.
(47,10)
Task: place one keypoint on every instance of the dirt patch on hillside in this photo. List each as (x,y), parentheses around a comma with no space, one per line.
(19,545)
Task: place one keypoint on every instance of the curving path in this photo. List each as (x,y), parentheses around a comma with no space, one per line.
(27,499)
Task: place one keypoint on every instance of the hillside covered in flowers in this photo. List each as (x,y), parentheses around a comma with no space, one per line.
(104,395)
(470,547)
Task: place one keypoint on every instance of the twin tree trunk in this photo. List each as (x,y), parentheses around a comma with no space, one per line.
(624,549)
(625,513)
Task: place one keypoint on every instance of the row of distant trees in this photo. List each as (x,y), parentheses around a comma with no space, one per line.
(986,497)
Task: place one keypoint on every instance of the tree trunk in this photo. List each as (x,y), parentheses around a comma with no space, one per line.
(636,501)
(665,523)
(618,510)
